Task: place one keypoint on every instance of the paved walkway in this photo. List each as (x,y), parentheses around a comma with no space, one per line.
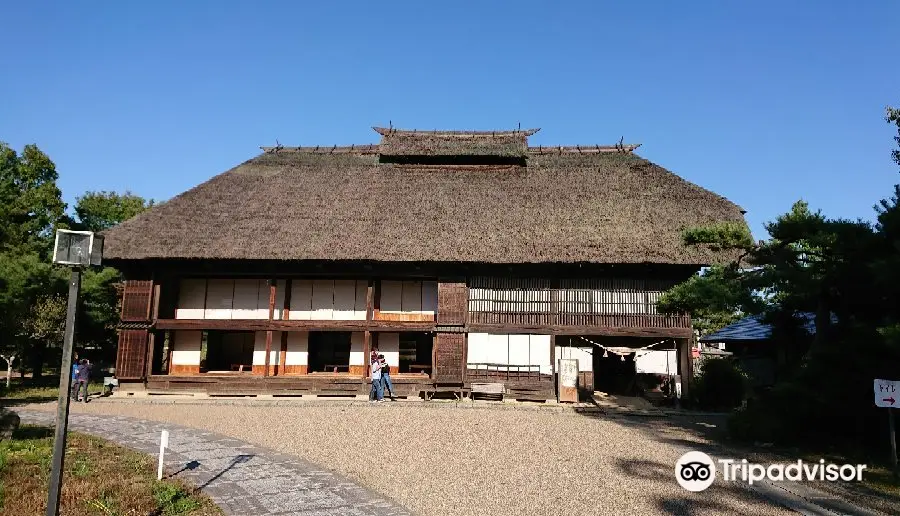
(241,478)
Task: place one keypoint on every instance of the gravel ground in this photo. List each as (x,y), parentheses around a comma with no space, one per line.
(443,460)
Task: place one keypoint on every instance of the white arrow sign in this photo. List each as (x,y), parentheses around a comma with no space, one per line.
(887,393)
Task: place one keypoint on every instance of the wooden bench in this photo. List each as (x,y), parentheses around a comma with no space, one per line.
(458,391)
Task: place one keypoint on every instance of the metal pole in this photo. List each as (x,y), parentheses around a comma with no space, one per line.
(65,388)
(893,441)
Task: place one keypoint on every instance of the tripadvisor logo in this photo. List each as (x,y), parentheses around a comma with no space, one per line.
(696,471)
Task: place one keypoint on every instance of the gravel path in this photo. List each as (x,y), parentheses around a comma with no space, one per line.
(442,460)
(242,479)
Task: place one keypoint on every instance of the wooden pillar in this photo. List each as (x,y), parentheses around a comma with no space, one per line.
(272,285)
(685,366)
(367,350)
(151,343)
(285,315)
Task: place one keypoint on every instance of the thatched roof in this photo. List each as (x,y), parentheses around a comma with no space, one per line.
(595,204)
(396,142)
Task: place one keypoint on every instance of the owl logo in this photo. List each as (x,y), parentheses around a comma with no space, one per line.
(695,471)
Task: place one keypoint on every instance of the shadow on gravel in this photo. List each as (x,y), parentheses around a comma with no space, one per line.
(707,502)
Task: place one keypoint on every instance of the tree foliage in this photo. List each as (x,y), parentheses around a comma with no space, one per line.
(31,208)
(46,321)
(30,201)
(840,270)
(98,211)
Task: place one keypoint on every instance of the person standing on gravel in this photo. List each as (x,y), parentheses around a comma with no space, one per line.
(377,386)
(386,384)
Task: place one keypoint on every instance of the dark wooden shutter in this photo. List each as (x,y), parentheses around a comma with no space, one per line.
(132,353)
(136,300)
(449,357)
(453,301)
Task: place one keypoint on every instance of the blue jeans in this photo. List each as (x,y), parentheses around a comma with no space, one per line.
(386,384)
(377,389)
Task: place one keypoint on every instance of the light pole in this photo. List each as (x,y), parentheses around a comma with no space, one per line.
(76,250)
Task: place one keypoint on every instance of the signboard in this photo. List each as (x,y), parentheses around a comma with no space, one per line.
(568,380)
(887,393)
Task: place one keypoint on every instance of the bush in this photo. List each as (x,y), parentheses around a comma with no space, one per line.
(720,386)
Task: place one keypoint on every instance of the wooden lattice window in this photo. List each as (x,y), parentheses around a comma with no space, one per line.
(449,357)
(137,298)
(453,301)
(132,353)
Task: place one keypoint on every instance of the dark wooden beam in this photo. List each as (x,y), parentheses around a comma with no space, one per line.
(286,309)
(362,269)
(580,330)
(155,313)
(370,299)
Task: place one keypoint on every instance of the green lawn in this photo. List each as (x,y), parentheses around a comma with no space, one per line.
(46,389)
(100,479)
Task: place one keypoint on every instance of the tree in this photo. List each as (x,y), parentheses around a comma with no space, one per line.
(841,270)
(30,201)
(715,299)
(98,211)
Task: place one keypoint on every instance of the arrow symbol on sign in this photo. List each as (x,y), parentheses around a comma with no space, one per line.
(891,399)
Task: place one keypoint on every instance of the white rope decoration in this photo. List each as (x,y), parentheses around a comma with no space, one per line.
(622,352)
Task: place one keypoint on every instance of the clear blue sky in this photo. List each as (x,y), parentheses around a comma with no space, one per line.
(763,102)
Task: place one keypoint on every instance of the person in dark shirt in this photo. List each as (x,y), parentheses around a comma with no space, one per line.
(84,376)
(387,386)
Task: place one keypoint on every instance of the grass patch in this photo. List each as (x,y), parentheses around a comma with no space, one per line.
(31,391)
(100,478)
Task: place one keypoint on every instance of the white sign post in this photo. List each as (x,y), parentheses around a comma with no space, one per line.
(887,393)
(163,444)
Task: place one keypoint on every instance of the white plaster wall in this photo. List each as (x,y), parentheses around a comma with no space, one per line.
(478,348)
(247,296)
(259,348)
(191,299)
(227,299)
(344,299)
(357,348)
(510,350)
(539,352)
(327,300)
(582,354)
(389,346)
(359,307)
(519,349)
(322,299)
(219,299)
(186,350)
(297,348)
(657,362)
(301,300)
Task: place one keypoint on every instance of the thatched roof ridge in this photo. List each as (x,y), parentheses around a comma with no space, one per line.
(388,131)
(562,207)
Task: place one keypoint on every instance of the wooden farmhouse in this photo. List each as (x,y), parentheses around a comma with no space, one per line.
(464,257)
